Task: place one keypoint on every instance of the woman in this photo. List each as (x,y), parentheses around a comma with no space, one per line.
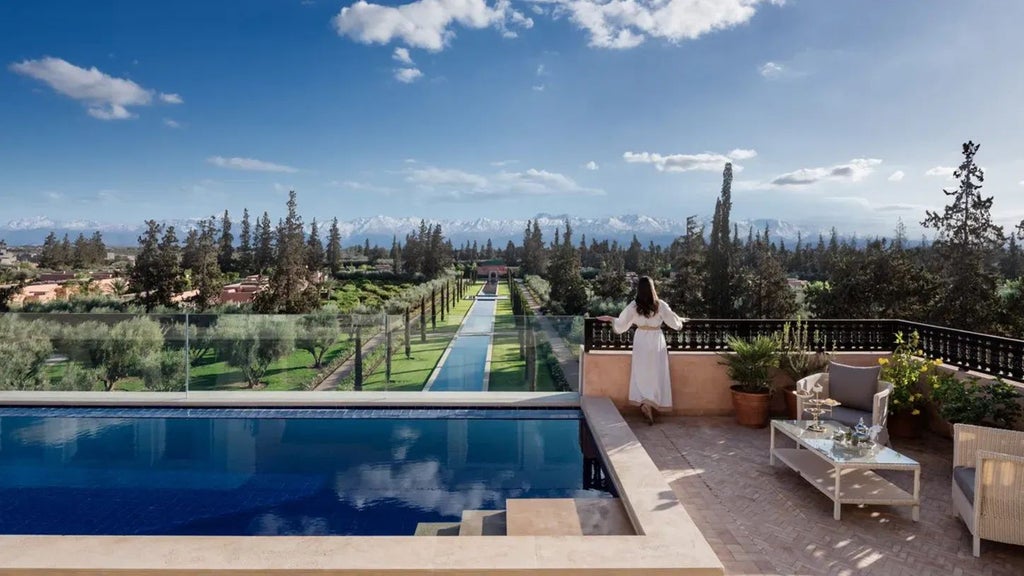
(649,384)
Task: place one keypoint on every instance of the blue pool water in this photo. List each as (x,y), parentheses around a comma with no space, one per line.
(276,472)
(463,369)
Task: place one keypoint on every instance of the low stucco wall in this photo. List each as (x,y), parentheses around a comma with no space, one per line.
(700,385)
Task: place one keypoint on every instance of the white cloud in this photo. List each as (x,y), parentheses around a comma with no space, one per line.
(709,161)
(500,163)
(105,97)
(171,123)
(591,165)
(943,171)
(869,205)
(431,177)
(1021,182)
(896,176)
(771,70)
(282,188)
(360,187)
(741,154)
(625,24)
(171,99)
(425,24)
(538,87)
(540,70)
(853,171)
(459,185)
(250,164)
(402,55)
(408,75)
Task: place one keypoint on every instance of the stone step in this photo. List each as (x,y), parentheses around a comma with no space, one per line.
(482,523)
(542,517)
(567,517)
(437,529)
(604,517)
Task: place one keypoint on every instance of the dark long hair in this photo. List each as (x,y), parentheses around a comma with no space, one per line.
(646,297)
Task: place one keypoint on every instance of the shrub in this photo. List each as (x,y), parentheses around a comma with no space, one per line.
(970,401)
(904,369)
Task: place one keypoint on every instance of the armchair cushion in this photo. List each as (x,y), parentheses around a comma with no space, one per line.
(849,417)
(853,386)
(964,478)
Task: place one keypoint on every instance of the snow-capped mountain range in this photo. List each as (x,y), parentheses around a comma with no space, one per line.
(380,230)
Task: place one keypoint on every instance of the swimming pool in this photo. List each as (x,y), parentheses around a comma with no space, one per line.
(217,471)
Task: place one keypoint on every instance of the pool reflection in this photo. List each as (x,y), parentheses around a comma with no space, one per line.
(121,475)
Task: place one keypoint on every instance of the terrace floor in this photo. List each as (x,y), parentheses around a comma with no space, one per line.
(761,519)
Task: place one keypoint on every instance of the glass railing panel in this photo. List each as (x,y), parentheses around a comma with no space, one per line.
(471,345)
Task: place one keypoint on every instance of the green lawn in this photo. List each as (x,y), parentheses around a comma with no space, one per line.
(290,373)
(508,369)
(411,374)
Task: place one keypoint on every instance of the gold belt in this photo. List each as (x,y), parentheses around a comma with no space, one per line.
(648,327)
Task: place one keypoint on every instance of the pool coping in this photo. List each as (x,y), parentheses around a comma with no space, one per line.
(668,542)
(321,399)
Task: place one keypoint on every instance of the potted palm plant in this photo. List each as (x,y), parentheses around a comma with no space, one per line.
(750,365)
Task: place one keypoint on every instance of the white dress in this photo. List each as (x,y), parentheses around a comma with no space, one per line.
(649,381)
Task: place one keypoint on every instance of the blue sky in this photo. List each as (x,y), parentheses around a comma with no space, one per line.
(846,112)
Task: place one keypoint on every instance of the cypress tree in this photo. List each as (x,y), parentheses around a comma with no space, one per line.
(245,255)
(264,256)
(334,248)
(720,252)
(314,249)
(226,249)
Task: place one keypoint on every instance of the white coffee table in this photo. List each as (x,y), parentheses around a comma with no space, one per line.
(845,476)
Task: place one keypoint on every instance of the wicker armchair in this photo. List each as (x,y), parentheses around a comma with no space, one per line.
(849,416)
(988,483)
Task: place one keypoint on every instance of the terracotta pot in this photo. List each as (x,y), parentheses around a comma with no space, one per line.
(905,425)
(790,395)
(751,407)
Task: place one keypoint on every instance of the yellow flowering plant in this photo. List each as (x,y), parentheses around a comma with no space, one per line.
(904,369)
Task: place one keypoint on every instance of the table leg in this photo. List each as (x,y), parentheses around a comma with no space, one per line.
(771,447)
(916,510)
(836,509)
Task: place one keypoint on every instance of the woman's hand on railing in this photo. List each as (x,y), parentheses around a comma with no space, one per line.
(605,318)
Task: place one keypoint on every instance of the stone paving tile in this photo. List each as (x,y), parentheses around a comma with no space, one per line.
(761,519)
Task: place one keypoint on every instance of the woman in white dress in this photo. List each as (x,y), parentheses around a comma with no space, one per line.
(649,384)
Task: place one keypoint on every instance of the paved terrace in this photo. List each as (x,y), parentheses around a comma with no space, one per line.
(761,519)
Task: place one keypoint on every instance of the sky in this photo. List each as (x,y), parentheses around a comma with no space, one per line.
(849,113)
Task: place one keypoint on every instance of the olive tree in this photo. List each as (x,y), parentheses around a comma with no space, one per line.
(252,343)
(24,348)
(118,351)
(318,332)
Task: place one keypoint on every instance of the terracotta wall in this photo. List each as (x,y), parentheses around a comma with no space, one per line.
(700,386)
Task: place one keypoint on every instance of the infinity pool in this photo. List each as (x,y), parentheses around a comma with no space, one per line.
(280,472)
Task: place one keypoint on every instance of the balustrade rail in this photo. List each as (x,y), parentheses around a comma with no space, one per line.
(994,355)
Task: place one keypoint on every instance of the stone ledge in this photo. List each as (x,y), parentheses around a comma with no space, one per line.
(256,398)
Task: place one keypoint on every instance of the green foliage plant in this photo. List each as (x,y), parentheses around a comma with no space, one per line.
(972,401)
(907,366)
(750,362)
(797,356)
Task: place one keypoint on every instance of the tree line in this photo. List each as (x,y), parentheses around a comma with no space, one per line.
(64,254)
(293,263)
(968,277)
